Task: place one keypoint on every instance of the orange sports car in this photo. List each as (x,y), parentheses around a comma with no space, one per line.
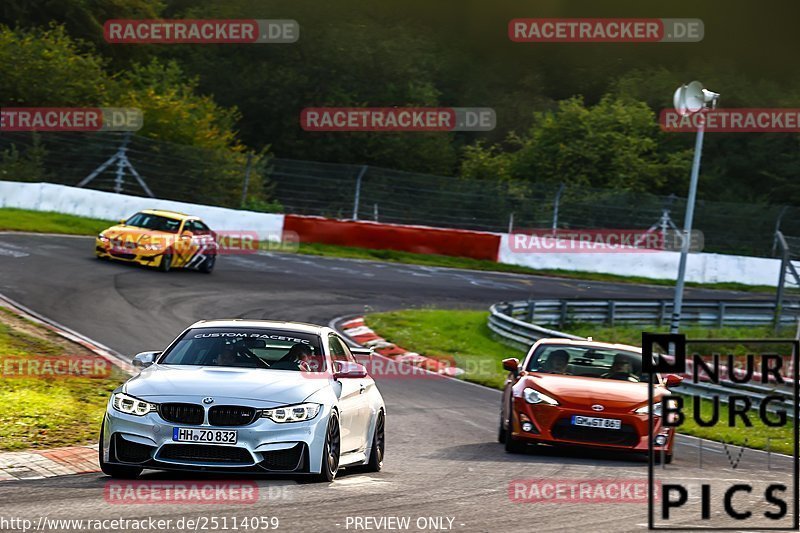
(160,239)
(583,393)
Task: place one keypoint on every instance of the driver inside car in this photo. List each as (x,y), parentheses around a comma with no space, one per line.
(556,363)
(227,357)
(299,357)
(620,369)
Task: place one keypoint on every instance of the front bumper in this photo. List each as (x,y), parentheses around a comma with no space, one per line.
(262,446)
(551,424)
(105,250)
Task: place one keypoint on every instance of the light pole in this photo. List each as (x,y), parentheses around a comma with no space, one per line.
(688,100)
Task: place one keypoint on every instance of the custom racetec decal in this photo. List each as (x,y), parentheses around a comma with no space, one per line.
(240,334)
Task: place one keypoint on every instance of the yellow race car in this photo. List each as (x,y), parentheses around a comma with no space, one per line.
(160,239)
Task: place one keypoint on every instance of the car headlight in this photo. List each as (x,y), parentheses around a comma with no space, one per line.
(132,406)
(644,410)
(292,413)
(534,396)
(103,238)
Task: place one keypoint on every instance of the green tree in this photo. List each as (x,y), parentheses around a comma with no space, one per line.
(47,67)
(615,144)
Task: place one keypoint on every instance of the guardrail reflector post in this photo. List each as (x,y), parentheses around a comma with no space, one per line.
(531,310)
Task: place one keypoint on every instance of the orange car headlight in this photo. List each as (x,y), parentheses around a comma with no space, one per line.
(534,396)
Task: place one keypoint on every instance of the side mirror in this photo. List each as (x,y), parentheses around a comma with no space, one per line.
(144,359)
(672,380)
(362,354)
(123,221)
(187,234)
(346,369)
(512,365)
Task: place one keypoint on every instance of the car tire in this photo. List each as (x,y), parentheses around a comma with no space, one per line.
(331,451)
(501,432)
(513,445)
(166,263)
(376,454)
(115,471)
(207,267)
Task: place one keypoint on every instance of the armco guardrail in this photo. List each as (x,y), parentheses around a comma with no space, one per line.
(518,332)
(716,313)
(503,321)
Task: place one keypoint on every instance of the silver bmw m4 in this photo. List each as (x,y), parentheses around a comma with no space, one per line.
(246,396)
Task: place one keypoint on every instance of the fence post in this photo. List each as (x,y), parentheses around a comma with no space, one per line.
(246,183)
(721,318)
(781,284)
(531,310)
(662,313)
(611,310)
(510,223)
(357,198)
(120,175)
(556,203)
(563,317)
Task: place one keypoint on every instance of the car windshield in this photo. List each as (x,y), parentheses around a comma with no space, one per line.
(588,361)
(154,222)
(247,348)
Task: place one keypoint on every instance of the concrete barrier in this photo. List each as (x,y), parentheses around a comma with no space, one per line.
(113,207)
(416,239)
(700,267)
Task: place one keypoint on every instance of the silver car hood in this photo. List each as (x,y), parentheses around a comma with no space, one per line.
(279,387)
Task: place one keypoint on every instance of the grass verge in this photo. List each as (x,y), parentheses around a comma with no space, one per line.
(45,411)
(46,222)
(459,335)
(464,336)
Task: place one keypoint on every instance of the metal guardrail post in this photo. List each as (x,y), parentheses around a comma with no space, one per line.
(531,310)
(611,313)
(721,311)
(563,316)
(781,284)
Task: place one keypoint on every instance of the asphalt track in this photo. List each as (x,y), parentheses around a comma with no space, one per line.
(442,456)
